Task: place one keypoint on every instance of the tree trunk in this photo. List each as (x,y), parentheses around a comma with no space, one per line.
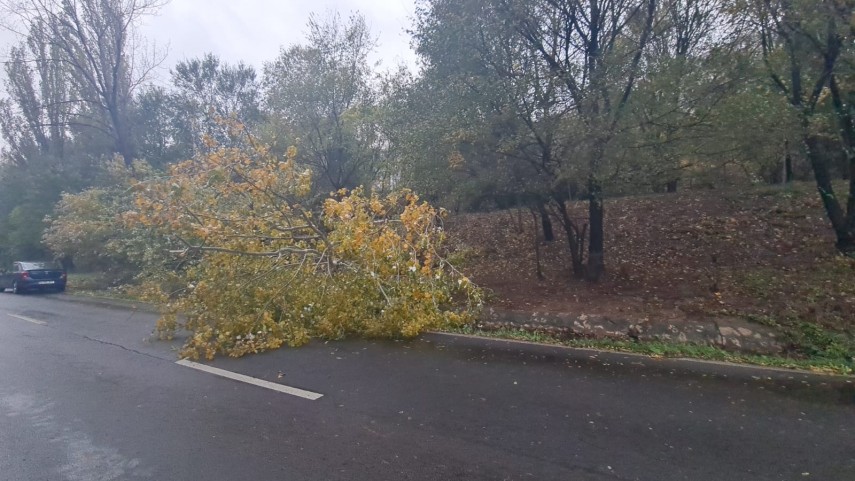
(846,243)
(537,264)
(126,148)
(788,163)
(843,229)
(671,186)
(846,230)
(121,135)
(596,260)
(575,239)
(546,222)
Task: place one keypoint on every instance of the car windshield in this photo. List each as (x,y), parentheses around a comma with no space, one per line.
(29,266)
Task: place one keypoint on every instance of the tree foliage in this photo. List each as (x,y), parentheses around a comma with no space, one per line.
(563,73)
(807,51)
(207,89)
(259,269)
(321,99)
(87,227)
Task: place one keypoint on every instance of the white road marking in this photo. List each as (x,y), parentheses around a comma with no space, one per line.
(28,319)
(312,396)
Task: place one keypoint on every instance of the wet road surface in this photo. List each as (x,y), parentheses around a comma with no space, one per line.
(87,394)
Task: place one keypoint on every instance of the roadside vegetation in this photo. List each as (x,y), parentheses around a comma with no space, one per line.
(718,255)
(660,161)
(656,349)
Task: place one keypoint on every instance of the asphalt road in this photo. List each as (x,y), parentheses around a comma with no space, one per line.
(86,394)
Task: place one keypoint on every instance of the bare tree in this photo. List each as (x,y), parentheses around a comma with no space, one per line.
(98,44)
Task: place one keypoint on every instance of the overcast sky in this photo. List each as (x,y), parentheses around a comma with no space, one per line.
(254,30)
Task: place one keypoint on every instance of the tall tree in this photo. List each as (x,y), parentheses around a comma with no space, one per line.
(172,124)
(321,93)
(594,49)
(567,70)
(685,83)
(97,42)
(207,89)
(38,124)
(807,49)
(34,118)
(162,128)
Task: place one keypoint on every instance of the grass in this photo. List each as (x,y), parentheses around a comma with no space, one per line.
(87,281)
(659,349)
(96,285)
(812,310)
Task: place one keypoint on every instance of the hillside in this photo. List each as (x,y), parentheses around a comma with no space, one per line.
(764,255)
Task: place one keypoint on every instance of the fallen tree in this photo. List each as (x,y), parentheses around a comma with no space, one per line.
(256,263)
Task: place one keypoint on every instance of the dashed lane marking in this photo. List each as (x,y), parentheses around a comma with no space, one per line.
(28,319)
(312,396)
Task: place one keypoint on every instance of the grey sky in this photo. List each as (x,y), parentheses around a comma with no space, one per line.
(254,30)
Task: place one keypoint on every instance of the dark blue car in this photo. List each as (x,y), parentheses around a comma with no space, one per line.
(31,276)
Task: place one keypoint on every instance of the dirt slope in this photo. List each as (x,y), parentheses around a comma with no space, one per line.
(765,254)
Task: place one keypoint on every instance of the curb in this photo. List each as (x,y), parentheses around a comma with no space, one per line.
(109,302)
(702,366)
(731,334)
